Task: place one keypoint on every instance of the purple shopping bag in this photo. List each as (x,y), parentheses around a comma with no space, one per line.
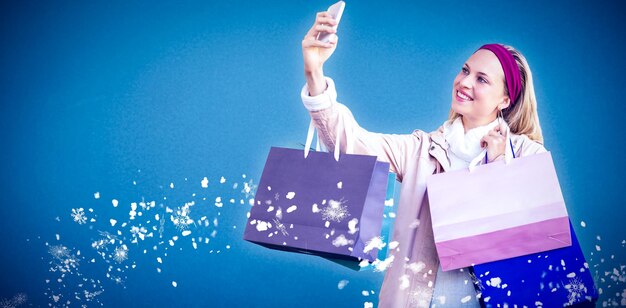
(318,205)
(497,211)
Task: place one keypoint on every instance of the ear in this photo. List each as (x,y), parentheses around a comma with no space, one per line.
(506,102)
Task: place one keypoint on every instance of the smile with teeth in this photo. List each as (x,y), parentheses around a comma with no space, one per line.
(462,96)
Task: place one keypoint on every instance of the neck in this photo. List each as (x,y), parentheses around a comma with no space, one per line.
(473,123)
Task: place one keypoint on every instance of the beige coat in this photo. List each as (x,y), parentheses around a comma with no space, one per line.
(413,157)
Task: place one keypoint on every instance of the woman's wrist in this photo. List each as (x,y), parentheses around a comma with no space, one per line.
(316,83)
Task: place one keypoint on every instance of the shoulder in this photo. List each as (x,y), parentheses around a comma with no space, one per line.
(525,146)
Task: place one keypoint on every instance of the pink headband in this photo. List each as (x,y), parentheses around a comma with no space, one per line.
(512,75)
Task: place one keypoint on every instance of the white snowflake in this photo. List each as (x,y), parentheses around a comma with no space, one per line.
(79,215)
(576,289)
(60,252)
(181,219)
(477,282)
(281,227)
(335,211)
(120,254)
(249,188)
(138,232)
(99,244)
(20,298)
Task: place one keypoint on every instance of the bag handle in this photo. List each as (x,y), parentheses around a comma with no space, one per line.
(341,127)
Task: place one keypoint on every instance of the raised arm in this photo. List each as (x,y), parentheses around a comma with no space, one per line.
(332,118)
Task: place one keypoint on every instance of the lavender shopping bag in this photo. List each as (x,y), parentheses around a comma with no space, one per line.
(319,205)
(555,278)
(497,211)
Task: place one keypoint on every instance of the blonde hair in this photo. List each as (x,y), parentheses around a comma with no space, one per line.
(522,118)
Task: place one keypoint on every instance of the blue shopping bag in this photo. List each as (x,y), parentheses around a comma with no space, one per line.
(554,278)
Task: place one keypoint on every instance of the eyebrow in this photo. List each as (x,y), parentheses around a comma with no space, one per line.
(479,73)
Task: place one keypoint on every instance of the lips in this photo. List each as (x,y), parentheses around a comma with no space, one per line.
(460,95)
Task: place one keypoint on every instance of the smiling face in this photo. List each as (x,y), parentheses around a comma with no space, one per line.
(478,90)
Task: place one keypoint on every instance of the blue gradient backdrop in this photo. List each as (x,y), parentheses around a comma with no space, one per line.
(93,91)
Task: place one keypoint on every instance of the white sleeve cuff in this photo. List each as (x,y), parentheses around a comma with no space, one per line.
(321,101)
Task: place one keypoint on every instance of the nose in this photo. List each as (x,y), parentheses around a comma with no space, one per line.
(465,82)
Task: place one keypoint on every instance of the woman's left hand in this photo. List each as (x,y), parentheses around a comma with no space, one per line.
(495,141)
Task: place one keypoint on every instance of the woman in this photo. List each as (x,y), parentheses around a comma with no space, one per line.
(495,80)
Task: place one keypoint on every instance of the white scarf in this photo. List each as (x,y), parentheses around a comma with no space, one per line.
(464,147)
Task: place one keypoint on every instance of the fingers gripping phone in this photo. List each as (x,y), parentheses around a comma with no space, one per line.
(335,10)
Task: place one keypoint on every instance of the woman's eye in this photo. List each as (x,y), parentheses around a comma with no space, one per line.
(481,79)
(464,70)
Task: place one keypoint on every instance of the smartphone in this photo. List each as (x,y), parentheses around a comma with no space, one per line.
(335,10)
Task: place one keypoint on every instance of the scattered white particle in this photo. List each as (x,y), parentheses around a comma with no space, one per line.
(389,202)
(404,282)
(222,180)
(495,282)
(392,215)
(174,284)
(414,224)
(114,202)
(171,185)
(375,242)
(442,299)
(571,275)
(96,195)
(291,208)
(314,208)
(530,261)
(508,293)
(171,243)
(261,226)
(352,229)
(113,222)
(365,293)
(58,236)
(195,246)
(598,247)
(368,305)
(290,195)
(340,184)
(583,224)
(342,284)
(466,299)
(205,182)
(269,188)
(186,232)
(270,208)
(341,240)
(416,267)
(393,245)
(159,260)
(327,224)
(381,266)
(227,246)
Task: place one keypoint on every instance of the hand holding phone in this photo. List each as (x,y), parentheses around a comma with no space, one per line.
(335,10)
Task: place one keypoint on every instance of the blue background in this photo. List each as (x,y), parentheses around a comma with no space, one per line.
(96,95)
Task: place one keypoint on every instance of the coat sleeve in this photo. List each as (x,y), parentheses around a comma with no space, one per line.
(333,119)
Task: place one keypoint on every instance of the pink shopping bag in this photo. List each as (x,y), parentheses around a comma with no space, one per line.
(497,211)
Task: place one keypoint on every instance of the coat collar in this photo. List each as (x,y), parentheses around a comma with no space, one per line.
(438,148)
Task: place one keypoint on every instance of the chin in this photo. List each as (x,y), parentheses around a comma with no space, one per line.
(455,108)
